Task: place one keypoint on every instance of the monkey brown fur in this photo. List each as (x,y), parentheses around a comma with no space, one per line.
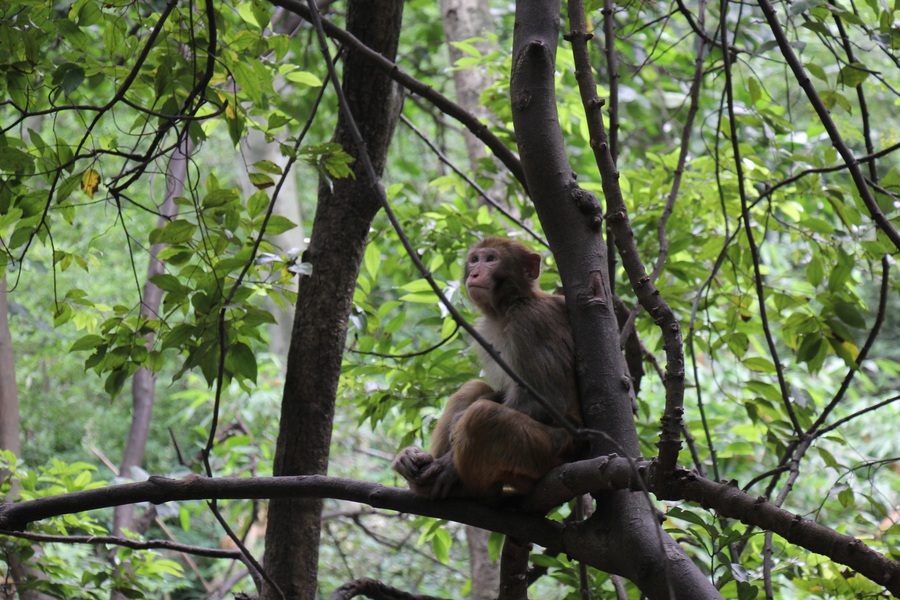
(496,436)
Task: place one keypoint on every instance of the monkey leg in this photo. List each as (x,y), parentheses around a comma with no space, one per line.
(495,446)
(434,475)
(459,403)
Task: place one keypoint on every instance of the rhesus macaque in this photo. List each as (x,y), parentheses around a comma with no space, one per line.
(494,436)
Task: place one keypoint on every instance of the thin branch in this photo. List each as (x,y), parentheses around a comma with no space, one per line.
(864,352)
(473,184)
(824,115)
(113,540)
(855,415)
(617,217)
(751,240)
(410,354)
(471,122)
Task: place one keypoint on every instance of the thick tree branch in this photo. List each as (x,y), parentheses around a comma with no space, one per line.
(727,500)
(578,540)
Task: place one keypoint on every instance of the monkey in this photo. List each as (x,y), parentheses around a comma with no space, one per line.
(494,437)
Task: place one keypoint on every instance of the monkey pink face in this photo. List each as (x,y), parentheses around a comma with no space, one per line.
(481,267)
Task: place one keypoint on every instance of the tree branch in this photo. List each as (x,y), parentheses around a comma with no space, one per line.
(561,484)
(865,192)
(470,121)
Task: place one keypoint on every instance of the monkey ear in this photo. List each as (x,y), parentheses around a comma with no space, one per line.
(533,265)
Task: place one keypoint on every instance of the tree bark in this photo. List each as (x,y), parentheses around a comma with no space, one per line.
(344,214)
(625,525)
(19,571)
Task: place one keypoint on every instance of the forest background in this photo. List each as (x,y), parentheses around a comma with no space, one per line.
(203,281)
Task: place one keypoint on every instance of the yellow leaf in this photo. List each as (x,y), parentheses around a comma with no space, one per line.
(90,181)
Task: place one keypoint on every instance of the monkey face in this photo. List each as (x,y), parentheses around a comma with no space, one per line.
(499,273)
(482,268)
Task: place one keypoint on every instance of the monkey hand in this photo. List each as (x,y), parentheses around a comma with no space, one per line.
(410,463)
(439,478)
(426,475)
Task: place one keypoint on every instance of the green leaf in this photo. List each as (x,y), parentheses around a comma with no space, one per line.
(261,181)
(88,342)
(279,224)
(304,78)
(241,361)
(13,160)
(754,89)
(467,48)
(764,390)
(853,74)
(68,76)
(815,271)
(184,518)
(849,314)
(421,298)
(417,285)
(440,544)
(175,232)
(816,71)
(178,336)
(115,382)
(759,364)
(372,259)
(810,346)
(845,497)
(257,204)
(267,166)
(167,283)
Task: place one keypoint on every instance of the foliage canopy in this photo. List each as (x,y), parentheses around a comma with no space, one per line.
(740,201)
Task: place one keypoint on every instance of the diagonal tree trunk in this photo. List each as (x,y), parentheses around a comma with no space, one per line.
(344,214)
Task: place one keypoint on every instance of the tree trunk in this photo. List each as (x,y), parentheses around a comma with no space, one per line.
(485,573)
(143,384)
(19,571)
(344,214)
(626,535)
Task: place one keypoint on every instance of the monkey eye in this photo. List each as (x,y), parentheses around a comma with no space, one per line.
(490,258)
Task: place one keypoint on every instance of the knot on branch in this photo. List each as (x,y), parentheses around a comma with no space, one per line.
(617,217)
(578,34)
(589,206)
